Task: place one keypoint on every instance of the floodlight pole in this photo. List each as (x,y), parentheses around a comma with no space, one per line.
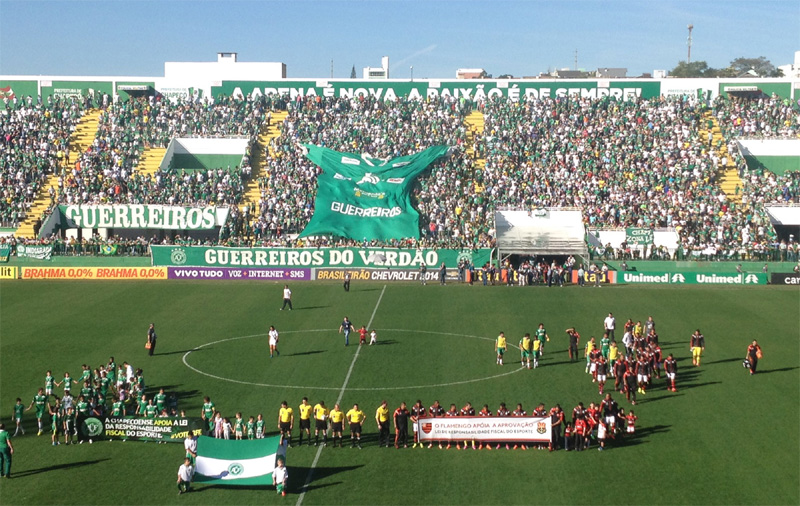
(689,43)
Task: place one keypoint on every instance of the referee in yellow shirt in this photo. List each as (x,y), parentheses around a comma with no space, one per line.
(356,417)
(286,423)
(305,421)
(320,423)
(337,421)
(382,418)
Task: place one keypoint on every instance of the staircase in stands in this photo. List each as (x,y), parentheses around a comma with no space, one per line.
(79,141)
(727,174)
(252,193)
(475,125)
(150,161)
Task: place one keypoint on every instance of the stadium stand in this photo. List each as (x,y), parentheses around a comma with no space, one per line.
(662,162)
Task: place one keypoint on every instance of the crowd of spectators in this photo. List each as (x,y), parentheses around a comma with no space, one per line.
(34,142)
(639,163)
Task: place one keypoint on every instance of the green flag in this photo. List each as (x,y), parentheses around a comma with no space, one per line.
(360,197)
(237,462)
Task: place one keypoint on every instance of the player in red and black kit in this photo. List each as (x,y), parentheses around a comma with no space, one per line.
(643,372)
(417,412)
(652,337)
(467,410)
(620,366)
(578,412)
(574,340)
(556,424)
(578,430)
(540,411)
(609,408)
(519,412)
(592,416)
(362,335)
(401,416)
(502,411)
(671,368)
(629,380)
(601,371)
(452,412)
(594,355)
(436,411)
(485,412)
(655,353)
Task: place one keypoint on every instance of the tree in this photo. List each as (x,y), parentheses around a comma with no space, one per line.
(693,69)
(353,72)
(760,65)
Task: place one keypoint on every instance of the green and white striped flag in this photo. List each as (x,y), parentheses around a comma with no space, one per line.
(231,462)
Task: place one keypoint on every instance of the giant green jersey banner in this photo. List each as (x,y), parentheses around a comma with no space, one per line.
(365,198)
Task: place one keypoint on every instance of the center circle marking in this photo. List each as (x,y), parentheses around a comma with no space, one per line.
(355,389)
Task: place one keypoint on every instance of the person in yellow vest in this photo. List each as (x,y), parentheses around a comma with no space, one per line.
(286,423)
(537,352)
(321,414)
(382,419)
(356,417)
(305,421)
(500,347)
(613,354)
(337,421)
(525,345)
(587,352)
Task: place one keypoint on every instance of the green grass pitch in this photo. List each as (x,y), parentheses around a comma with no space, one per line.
(723,438)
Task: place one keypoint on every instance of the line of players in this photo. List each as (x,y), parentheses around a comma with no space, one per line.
(597,421)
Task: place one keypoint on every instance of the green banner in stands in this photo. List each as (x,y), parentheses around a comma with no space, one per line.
(365,198)
(389,258)
(637,236)
(478,89)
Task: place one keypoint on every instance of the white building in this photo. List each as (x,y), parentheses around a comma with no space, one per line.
(381,72)
(226,68)
(792,69)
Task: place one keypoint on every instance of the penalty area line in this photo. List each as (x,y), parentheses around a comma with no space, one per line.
(338,400)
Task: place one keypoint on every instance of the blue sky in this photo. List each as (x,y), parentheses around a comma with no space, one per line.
(522,38)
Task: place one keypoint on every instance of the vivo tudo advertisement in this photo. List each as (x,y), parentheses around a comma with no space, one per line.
(231,273)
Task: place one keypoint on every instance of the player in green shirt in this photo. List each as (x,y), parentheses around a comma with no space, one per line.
(150,411)
(605,343)
(40,401)
(67,382)
(69,425)
(49,383)
(111,372)
(251,428)
(86,374)
(541,336)
(87,391)
(56,420)
(17,416)
(207,413)
(141,409)
(260,427)
(6,451)
(238,426)
(105,381)
(82,406)
(118,408)
(161,400)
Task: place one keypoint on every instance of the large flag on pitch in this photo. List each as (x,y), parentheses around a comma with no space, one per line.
(243,462)
(360,197)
